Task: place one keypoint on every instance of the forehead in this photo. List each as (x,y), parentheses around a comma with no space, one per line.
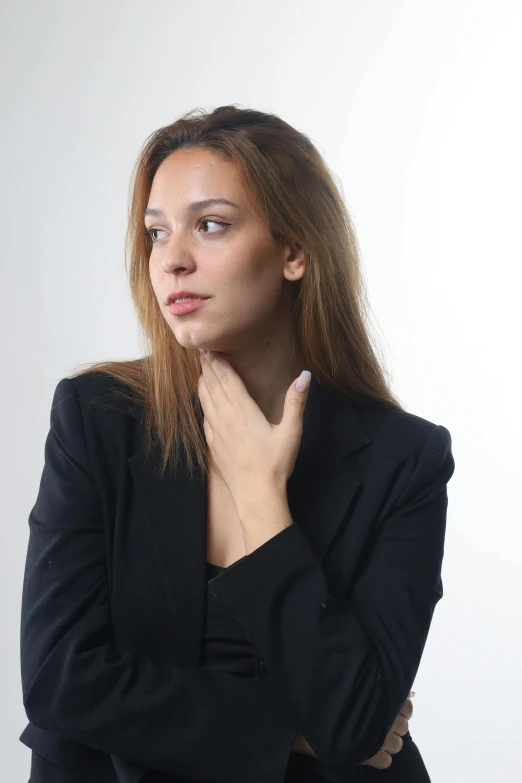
(190,174)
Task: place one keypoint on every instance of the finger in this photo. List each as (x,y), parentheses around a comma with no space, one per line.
(407,709)
(217,379)
(400,725)
(207,403)
(393,743)
(223,382)
(208,432)
(381,760)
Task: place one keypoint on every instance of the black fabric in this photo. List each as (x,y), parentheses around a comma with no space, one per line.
(336,607)
(226,647)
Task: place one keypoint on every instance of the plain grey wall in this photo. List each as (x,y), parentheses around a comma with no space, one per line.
(416,107)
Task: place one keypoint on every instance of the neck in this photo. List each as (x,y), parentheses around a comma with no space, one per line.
(270,362)
(267,373)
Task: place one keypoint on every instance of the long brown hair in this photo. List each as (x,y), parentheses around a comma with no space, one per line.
(291,182)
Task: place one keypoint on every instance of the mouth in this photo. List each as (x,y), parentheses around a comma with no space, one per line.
(183,295)
(187,305)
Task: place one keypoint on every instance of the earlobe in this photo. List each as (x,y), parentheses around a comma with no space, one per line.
(293,274)
(296,264)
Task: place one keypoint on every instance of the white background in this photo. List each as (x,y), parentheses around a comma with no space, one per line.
(416,106)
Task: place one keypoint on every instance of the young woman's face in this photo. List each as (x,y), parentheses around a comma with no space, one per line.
(221,251)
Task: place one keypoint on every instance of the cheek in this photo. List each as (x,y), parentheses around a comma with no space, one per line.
(253,302)
(256,276)
(258,283)
(154,278)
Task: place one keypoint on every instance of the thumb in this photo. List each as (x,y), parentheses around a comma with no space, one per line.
(296,396)
(295,400)
(302,384)
(291,424)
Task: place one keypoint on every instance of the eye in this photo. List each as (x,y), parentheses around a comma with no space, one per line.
(216,222)
(149,232)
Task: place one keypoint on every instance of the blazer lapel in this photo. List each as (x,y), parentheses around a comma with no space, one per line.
(319,491)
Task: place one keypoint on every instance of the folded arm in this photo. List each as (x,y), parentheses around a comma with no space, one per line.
(343,669)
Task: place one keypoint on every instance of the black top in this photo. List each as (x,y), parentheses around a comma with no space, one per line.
(228,649)
(226,646)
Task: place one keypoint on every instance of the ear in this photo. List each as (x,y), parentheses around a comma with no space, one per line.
(295,262)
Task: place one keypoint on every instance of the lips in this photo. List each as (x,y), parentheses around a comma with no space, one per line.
(184,295)
(188,306)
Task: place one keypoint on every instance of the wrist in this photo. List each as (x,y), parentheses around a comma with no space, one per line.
(258,500)
(300,745)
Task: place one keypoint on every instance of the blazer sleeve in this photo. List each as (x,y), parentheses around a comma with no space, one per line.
(197,723)
(345,668)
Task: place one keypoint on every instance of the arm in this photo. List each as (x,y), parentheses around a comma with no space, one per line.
(180,721)
(382,759)
(345,668)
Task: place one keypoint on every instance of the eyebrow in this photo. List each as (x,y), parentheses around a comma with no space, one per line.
(194,207)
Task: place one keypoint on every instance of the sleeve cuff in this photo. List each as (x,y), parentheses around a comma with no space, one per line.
(288,549)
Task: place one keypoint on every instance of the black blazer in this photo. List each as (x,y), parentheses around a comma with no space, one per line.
(337,606)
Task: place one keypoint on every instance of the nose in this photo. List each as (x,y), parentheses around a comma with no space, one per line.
(176,256)
(177,263)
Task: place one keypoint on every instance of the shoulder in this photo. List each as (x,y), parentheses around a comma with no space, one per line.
(90,420)
(406,450)
(399,430)
(92,396)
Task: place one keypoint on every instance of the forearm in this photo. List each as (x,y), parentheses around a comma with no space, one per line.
(136,711)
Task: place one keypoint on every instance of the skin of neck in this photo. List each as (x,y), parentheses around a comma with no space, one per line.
(268,366)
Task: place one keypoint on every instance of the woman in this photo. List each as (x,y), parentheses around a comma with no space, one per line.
(231,577)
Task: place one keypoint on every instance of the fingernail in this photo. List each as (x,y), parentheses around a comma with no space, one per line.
(303,382)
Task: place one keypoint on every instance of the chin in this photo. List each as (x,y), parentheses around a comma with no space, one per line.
(194,345)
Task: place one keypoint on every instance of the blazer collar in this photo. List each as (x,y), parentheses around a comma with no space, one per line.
(319,491)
